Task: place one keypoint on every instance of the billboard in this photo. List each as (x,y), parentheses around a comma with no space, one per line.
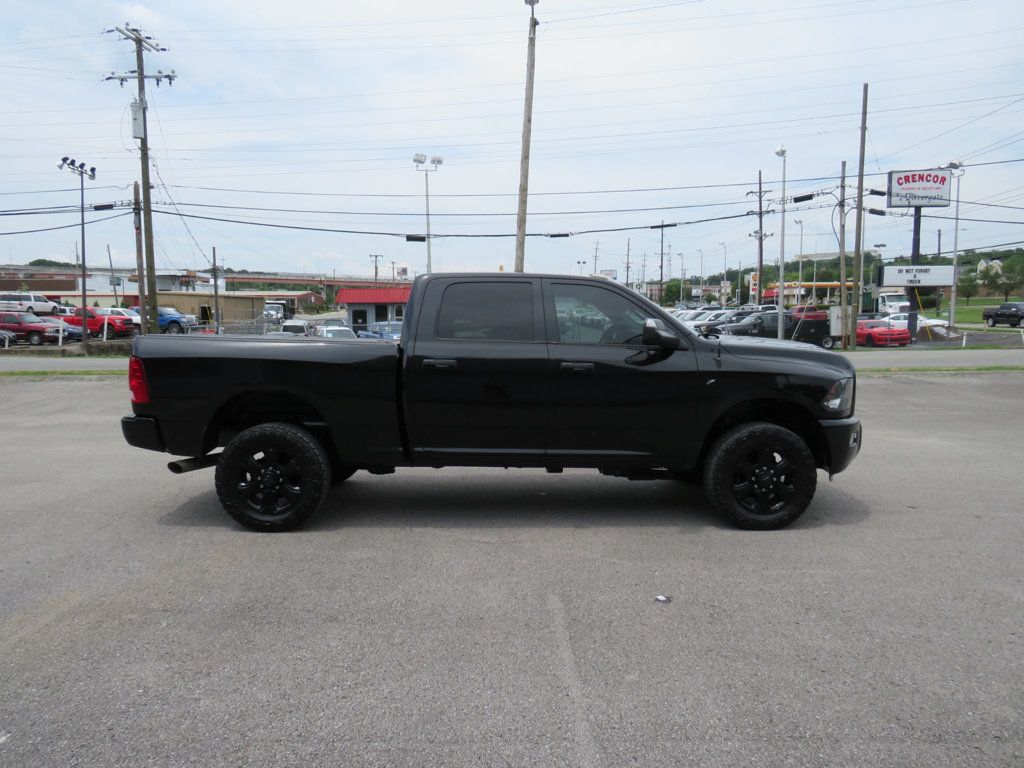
(611,274)
(918,276)
(919,189)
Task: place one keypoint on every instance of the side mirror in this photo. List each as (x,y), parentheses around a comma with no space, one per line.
(654,336)
(758,321)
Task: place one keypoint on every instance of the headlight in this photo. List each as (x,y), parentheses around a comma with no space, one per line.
(840,396)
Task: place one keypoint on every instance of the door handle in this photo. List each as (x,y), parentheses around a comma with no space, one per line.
(578,367)
(439,362)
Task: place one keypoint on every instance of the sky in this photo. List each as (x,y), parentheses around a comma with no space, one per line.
(306,115)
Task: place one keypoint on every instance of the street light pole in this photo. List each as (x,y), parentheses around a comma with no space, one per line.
(780,296)
(79,170)
(420,160)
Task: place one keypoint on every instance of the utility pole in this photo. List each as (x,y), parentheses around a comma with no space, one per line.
(627,262)
(661,267)
(141,132)
(524,163)
(113,283)
(216,293)
(596,244)
(760,236)
(376,259)
(858,237)
(842,260)
(137,220)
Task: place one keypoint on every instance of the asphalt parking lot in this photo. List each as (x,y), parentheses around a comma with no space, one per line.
(488,617)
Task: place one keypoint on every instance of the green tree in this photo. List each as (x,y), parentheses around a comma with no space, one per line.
(967,287)
(1008,281)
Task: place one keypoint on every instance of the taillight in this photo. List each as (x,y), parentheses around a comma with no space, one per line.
(137,381)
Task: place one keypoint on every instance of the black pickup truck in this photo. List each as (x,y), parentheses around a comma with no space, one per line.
(493,370)
(766,325)
(1009,312)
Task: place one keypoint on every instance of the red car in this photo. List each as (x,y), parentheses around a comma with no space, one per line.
(116,325)
(879,333)
(27,327)
(808,312)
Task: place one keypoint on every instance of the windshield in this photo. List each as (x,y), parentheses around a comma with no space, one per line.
(28,317)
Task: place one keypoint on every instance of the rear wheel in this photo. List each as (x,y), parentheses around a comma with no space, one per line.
(1020,322)
(174,328)
(272,477)
(35,338)
(760,475)
(828,342)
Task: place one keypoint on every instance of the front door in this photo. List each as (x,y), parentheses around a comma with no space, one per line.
(614,397)
(476,373)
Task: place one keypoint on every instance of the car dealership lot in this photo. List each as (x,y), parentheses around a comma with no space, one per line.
(485,617)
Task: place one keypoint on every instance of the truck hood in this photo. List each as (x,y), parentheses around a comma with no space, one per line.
(756,348)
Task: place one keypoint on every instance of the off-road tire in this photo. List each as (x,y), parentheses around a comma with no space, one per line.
(272,477)
(760,475)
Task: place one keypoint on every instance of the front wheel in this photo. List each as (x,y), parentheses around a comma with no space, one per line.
(760,475)
(990,322)
(35,339)
(828,342)
(272,477)
(1020,322)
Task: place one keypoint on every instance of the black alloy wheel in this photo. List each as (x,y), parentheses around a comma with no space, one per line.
(760,475)
(272,477)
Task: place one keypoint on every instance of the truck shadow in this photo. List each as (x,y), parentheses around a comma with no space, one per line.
(496,498)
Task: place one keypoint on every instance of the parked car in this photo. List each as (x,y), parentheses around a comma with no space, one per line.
(297,327)
(33,303)
(901,320)
(809,312)
(335,322)
(389,330)
(170,320)
(131,314)
(335,332)
(28,327)
(70,332)
(1009,312)
(7,339)
(878,333)
(64,310)
(94,322)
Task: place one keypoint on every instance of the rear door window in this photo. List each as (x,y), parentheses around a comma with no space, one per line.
(495,311)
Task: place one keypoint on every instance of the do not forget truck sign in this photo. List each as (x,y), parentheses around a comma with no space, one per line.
(919,189)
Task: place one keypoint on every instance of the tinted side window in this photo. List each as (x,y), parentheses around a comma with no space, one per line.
(490,311)
(595,315)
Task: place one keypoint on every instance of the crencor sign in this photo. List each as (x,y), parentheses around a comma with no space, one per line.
(919,189)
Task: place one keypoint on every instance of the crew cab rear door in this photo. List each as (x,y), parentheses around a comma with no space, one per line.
(613,396)
(475,376)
